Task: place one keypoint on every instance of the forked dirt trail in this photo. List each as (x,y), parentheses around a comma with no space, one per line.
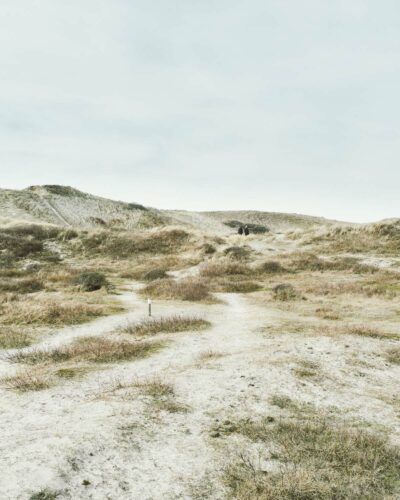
(81,430)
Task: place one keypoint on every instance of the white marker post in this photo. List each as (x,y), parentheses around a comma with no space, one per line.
(149,304)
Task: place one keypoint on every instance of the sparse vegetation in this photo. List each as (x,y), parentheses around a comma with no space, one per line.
(155,274)
(155,387)
(97,221)
(162,394)
(305,261)
(45,494)
(367,331)
(307,369)
(238,253)
(208,249)
(223,428)
(91,349)
(70,372)
(234,286)
(209,355)
(120,245)
(315,458)
(24,285)
(28,380)
(170,405)
(381,238)
(393,355)
(171,324)
(272,267)
(283,402)
(11,338)
(225,268)
(52,310)
(17,246)
(285,292)
(89,282)
(191,289)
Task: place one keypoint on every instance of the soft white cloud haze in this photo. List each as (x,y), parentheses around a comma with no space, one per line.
(266,104)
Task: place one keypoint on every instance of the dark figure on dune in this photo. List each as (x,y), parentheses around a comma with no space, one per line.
(246,231)
(240,230)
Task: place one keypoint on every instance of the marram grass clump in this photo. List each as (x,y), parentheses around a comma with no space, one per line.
(170,324)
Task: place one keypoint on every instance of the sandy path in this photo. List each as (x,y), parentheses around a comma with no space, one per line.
(52,209)
(45,428)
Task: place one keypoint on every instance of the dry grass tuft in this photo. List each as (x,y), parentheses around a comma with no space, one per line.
(155,274)
(382,238)
(92,349)
(314,458)
(53,310)
(13,339)
(170,406)
(225,268)
(307,369)
(238,253)
(393,355)
(229,276)
(327,313)
(367,331)
(70,372)
(125,245)
(90,281)
(383,284)
(155,387)
(162,394)
(170,324)
(285,292)
(283,402)
(28,380)
(45,494)
(191,289)
(24,285)
(272,267)
(234,286)
(209,355)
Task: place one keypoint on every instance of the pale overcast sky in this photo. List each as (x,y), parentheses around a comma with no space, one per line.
(277,105)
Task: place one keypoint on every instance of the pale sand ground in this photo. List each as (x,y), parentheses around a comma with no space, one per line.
(127,450)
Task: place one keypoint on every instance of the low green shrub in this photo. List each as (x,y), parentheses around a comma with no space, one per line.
(208,249)
(19,246)
(272,267)
(155,274)
(237,253)
(285,292)
(25,285)
(90,281)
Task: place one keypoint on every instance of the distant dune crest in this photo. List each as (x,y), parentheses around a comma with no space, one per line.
(67,206)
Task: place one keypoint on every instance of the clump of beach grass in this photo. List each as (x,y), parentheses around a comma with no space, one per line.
(188,289)
(11,338)
(171,324)
(393,355)
(28,380)
(162,395)
(315,457)
(91,349)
